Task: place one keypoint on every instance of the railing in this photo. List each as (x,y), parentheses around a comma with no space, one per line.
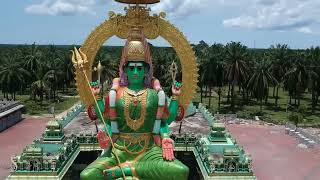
(227,117)
(301,135)
(71,115)
(6,105)
(191,110)
(206,113)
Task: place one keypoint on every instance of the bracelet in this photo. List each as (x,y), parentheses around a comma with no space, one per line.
(98,97)
(165,135)
(174,98)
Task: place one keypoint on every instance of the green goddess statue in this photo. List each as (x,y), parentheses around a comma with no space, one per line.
(135,112)
(137,116)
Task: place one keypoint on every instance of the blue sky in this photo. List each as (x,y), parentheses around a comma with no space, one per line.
(258,23)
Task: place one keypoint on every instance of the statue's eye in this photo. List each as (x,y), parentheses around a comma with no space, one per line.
(131,68)
(139,68)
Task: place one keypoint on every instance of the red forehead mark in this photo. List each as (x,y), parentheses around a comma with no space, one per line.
(135,64)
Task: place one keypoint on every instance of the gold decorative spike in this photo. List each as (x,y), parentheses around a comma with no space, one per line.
(99,71)
(173,71)
(83,67)
(79,59)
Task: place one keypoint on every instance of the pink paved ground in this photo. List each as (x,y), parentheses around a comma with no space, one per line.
(17,137)
(276,156)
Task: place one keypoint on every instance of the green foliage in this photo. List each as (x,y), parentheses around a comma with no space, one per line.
(237,71)
(12,75)
(261,79)
(302,110)
(232,78)
(261,75)
(38,108)
(298,115)
(296,118)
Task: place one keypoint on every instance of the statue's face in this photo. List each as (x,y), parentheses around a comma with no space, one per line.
(135,72)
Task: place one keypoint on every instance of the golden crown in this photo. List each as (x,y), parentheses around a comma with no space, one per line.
(135,47)
(135,51)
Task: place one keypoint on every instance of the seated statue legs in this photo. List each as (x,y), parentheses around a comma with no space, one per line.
(147,166)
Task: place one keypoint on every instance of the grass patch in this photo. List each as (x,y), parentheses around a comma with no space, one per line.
(269,112)
(38,108)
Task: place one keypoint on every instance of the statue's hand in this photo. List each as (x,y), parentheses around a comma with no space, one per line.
(108,173)
(157,140)
(79,59)
(167,149)
(103,140)
(176,88)
(95,90)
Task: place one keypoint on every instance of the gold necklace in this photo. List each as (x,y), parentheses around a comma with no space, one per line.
(134,139)
(132,96)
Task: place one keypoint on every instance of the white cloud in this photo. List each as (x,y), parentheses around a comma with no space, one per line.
(266,2)
(281,15)
(180,8)
(63,7)
(174,8)
(306,30)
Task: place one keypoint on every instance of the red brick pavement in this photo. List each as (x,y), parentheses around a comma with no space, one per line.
(276,156)
(17,137)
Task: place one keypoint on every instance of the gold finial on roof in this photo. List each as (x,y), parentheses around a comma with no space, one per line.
(138,1)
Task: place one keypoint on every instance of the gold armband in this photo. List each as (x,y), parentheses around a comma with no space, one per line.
(98,97)
(174,98)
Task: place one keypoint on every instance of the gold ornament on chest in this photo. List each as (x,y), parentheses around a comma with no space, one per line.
(135,98)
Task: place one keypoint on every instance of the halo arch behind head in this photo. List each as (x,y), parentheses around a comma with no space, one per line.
(154,27)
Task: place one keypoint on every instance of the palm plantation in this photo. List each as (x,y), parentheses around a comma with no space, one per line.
(232,77)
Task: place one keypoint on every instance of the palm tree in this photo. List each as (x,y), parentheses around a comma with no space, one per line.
(40,85)
(33,59)
(214,70)
(297,77)
(313,58)
(53,69)
(38,88)
(210,77)
(12,75)
(279,55)
(53,76)
(162,61)
(67,70)
(202,53)
(219,81)
(260,81)
(237,73)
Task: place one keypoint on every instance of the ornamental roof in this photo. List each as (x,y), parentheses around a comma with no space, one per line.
(53,123)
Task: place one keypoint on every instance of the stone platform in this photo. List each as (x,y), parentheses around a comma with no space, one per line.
(10,113)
